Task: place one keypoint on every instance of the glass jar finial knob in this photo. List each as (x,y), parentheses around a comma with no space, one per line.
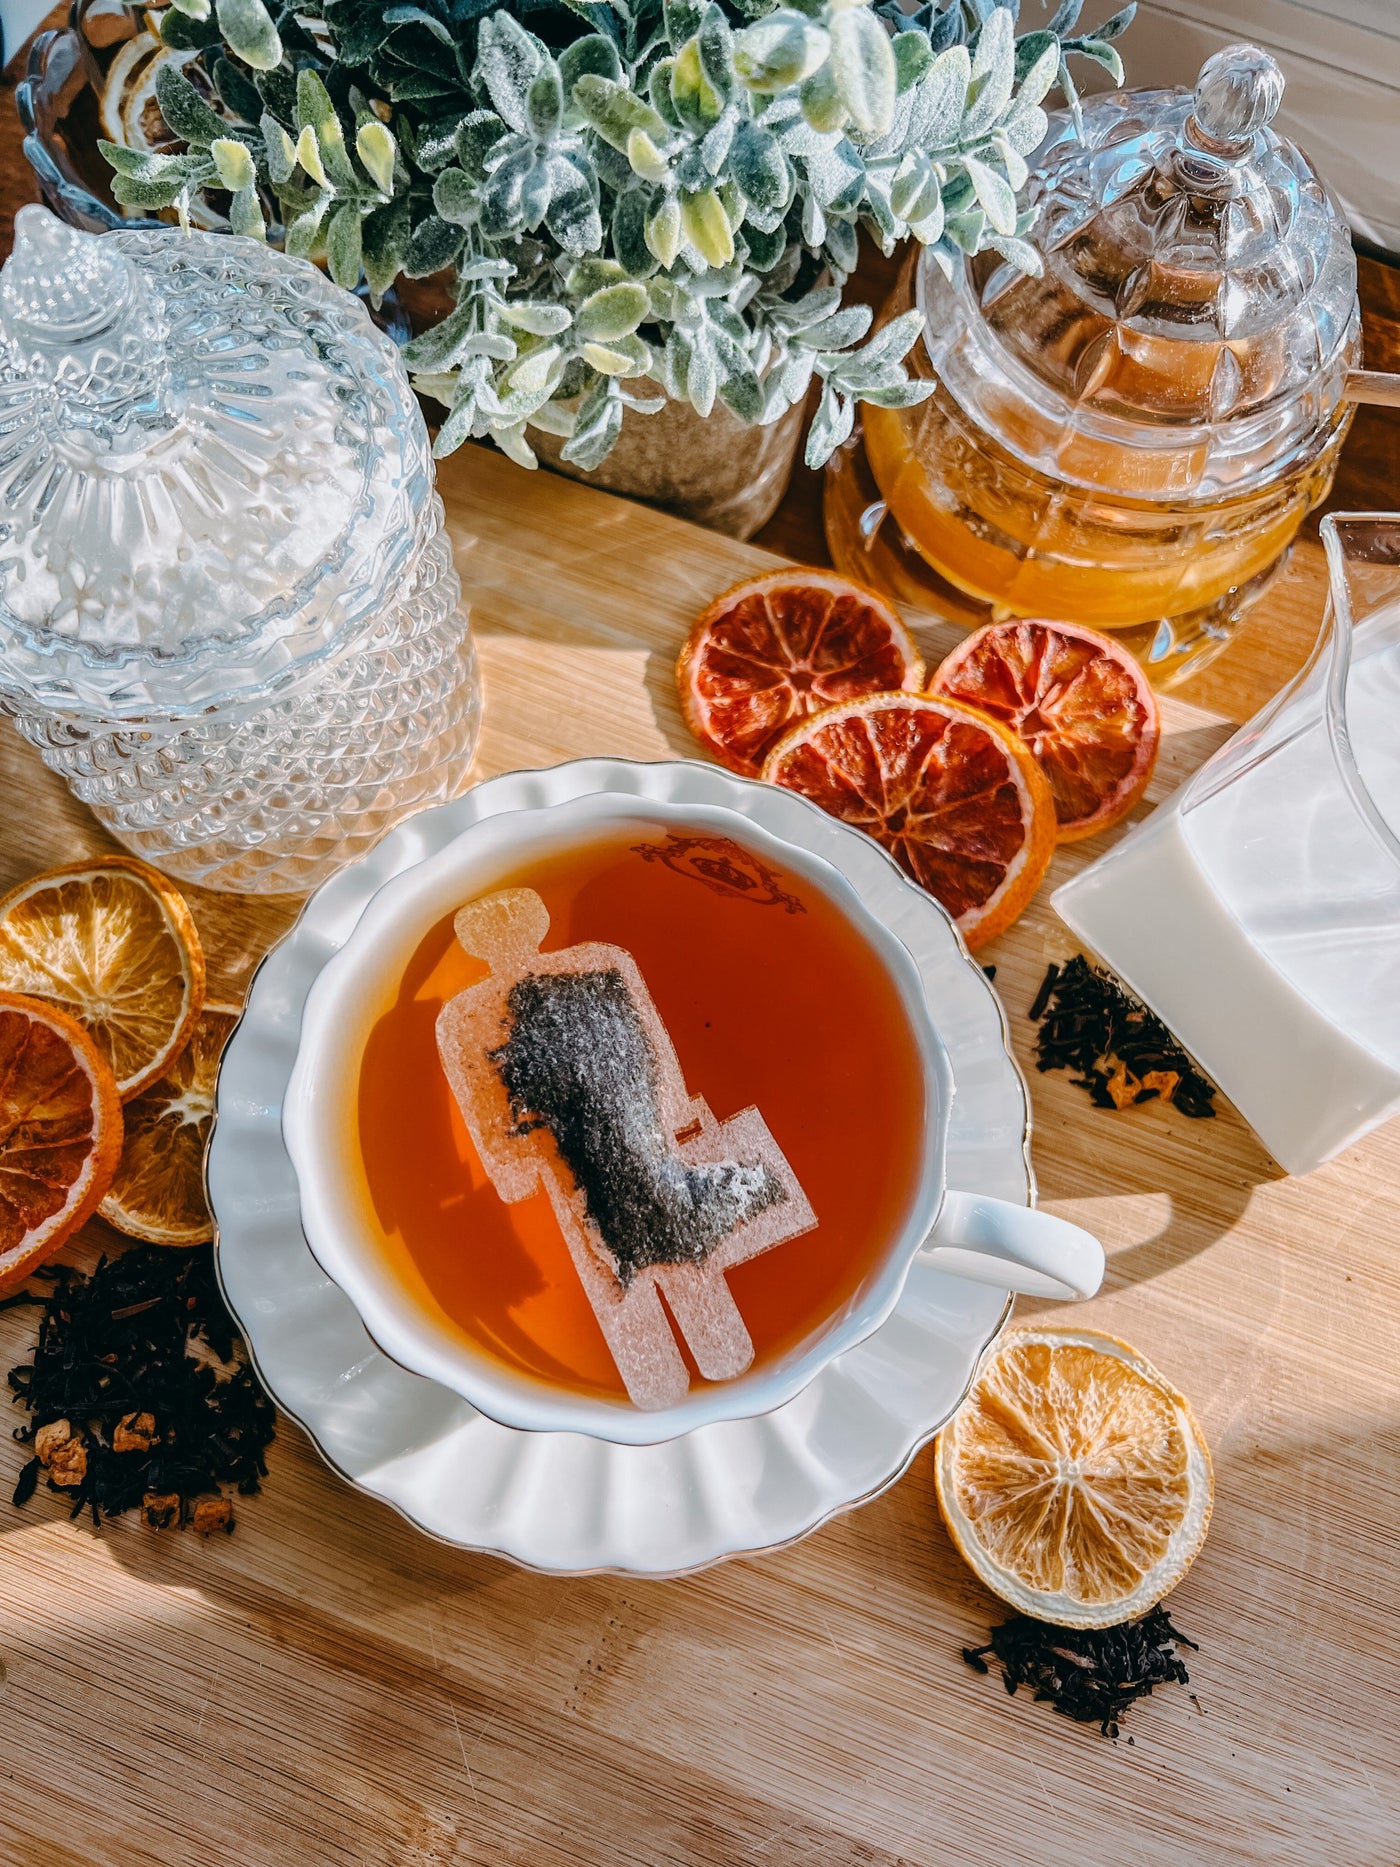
(60,286)
(1238,91)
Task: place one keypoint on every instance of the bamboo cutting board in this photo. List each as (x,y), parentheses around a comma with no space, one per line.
(327,1687)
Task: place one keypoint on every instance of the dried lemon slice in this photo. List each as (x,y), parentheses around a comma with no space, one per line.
(158,1191)
(112,943)
(1074,1479)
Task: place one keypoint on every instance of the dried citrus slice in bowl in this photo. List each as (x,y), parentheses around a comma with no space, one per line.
(783,646)
(1079,700)
(956,799)
(1073,1479)
(157,1192)
(60,1132)
(112,943)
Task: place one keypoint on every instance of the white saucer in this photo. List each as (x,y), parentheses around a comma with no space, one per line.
(562,1502)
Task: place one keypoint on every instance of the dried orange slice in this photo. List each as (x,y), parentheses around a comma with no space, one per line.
(158,1190)
(956,799)
(112,943)
(1078,699)
(1073,1478)
(783,646)
(60,1132)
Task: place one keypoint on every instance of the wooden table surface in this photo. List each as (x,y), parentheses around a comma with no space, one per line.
(329,1687)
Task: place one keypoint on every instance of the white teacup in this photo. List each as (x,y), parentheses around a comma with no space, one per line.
(989,1240)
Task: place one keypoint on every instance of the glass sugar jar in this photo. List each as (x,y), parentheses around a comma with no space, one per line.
(229,614)
(1131,437)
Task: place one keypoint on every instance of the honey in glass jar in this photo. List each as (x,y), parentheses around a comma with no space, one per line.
(1132,438)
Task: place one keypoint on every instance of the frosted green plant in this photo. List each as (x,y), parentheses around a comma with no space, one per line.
(633,199)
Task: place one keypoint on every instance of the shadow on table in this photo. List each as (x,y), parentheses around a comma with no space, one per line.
(1192,1181)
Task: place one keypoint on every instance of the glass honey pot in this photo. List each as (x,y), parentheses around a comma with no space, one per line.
(1132,438)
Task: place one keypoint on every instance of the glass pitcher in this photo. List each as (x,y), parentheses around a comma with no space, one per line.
(1258,910)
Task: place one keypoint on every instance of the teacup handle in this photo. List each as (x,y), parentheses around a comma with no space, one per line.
(993,1241)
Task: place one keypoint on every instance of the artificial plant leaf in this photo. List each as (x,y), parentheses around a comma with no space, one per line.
(822,109)
(645,159)
(457,197)
(473,139)
(506,63)
(765,247)
(614,112)
(303,233)
(236,91)
(862,63)
(913,58)
(572,215)
(185,110)
(308,155)
(143,164)
(384,238)
(595,54)
(544,105)
(779,51)
(233,165)
(843,327)
(994,194)
(614,312)
(245,215)
(185,32)
(936,121)
(714,44)
(831,425)
(697,101)
(249,33)
(760,168)
(537,320)
(376,148)
(148,191)
(707,227)
(281,150)
(435,243)
(315,111)
(629,234)
(663,230)
(993,75)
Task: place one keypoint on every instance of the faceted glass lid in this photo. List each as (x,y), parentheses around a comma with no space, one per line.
(201,446)
(1196,268)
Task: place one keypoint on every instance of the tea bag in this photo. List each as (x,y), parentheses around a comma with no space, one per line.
(567,1078)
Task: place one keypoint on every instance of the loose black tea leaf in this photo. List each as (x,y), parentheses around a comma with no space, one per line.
(140,1392)
(1123,1054)
(1090,1674)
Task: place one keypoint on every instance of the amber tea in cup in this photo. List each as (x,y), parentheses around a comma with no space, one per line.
(772,999)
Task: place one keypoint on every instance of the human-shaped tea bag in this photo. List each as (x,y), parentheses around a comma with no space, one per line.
(567,1077)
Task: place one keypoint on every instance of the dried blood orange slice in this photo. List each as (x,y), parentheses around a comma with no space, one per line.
(60,1132)
(1073,1478)
(956,799)
(113,943)
(1078,699)
(157,1192)
(783,646)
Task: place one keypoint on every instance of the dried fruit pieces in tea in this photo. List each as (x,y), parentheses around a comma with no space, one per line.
(1123,1054)
(140,1392)
(1090,1674)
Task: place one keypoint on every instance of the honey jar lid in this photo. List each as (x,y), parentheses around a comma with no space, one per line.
(1197,271)
(1196,265)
